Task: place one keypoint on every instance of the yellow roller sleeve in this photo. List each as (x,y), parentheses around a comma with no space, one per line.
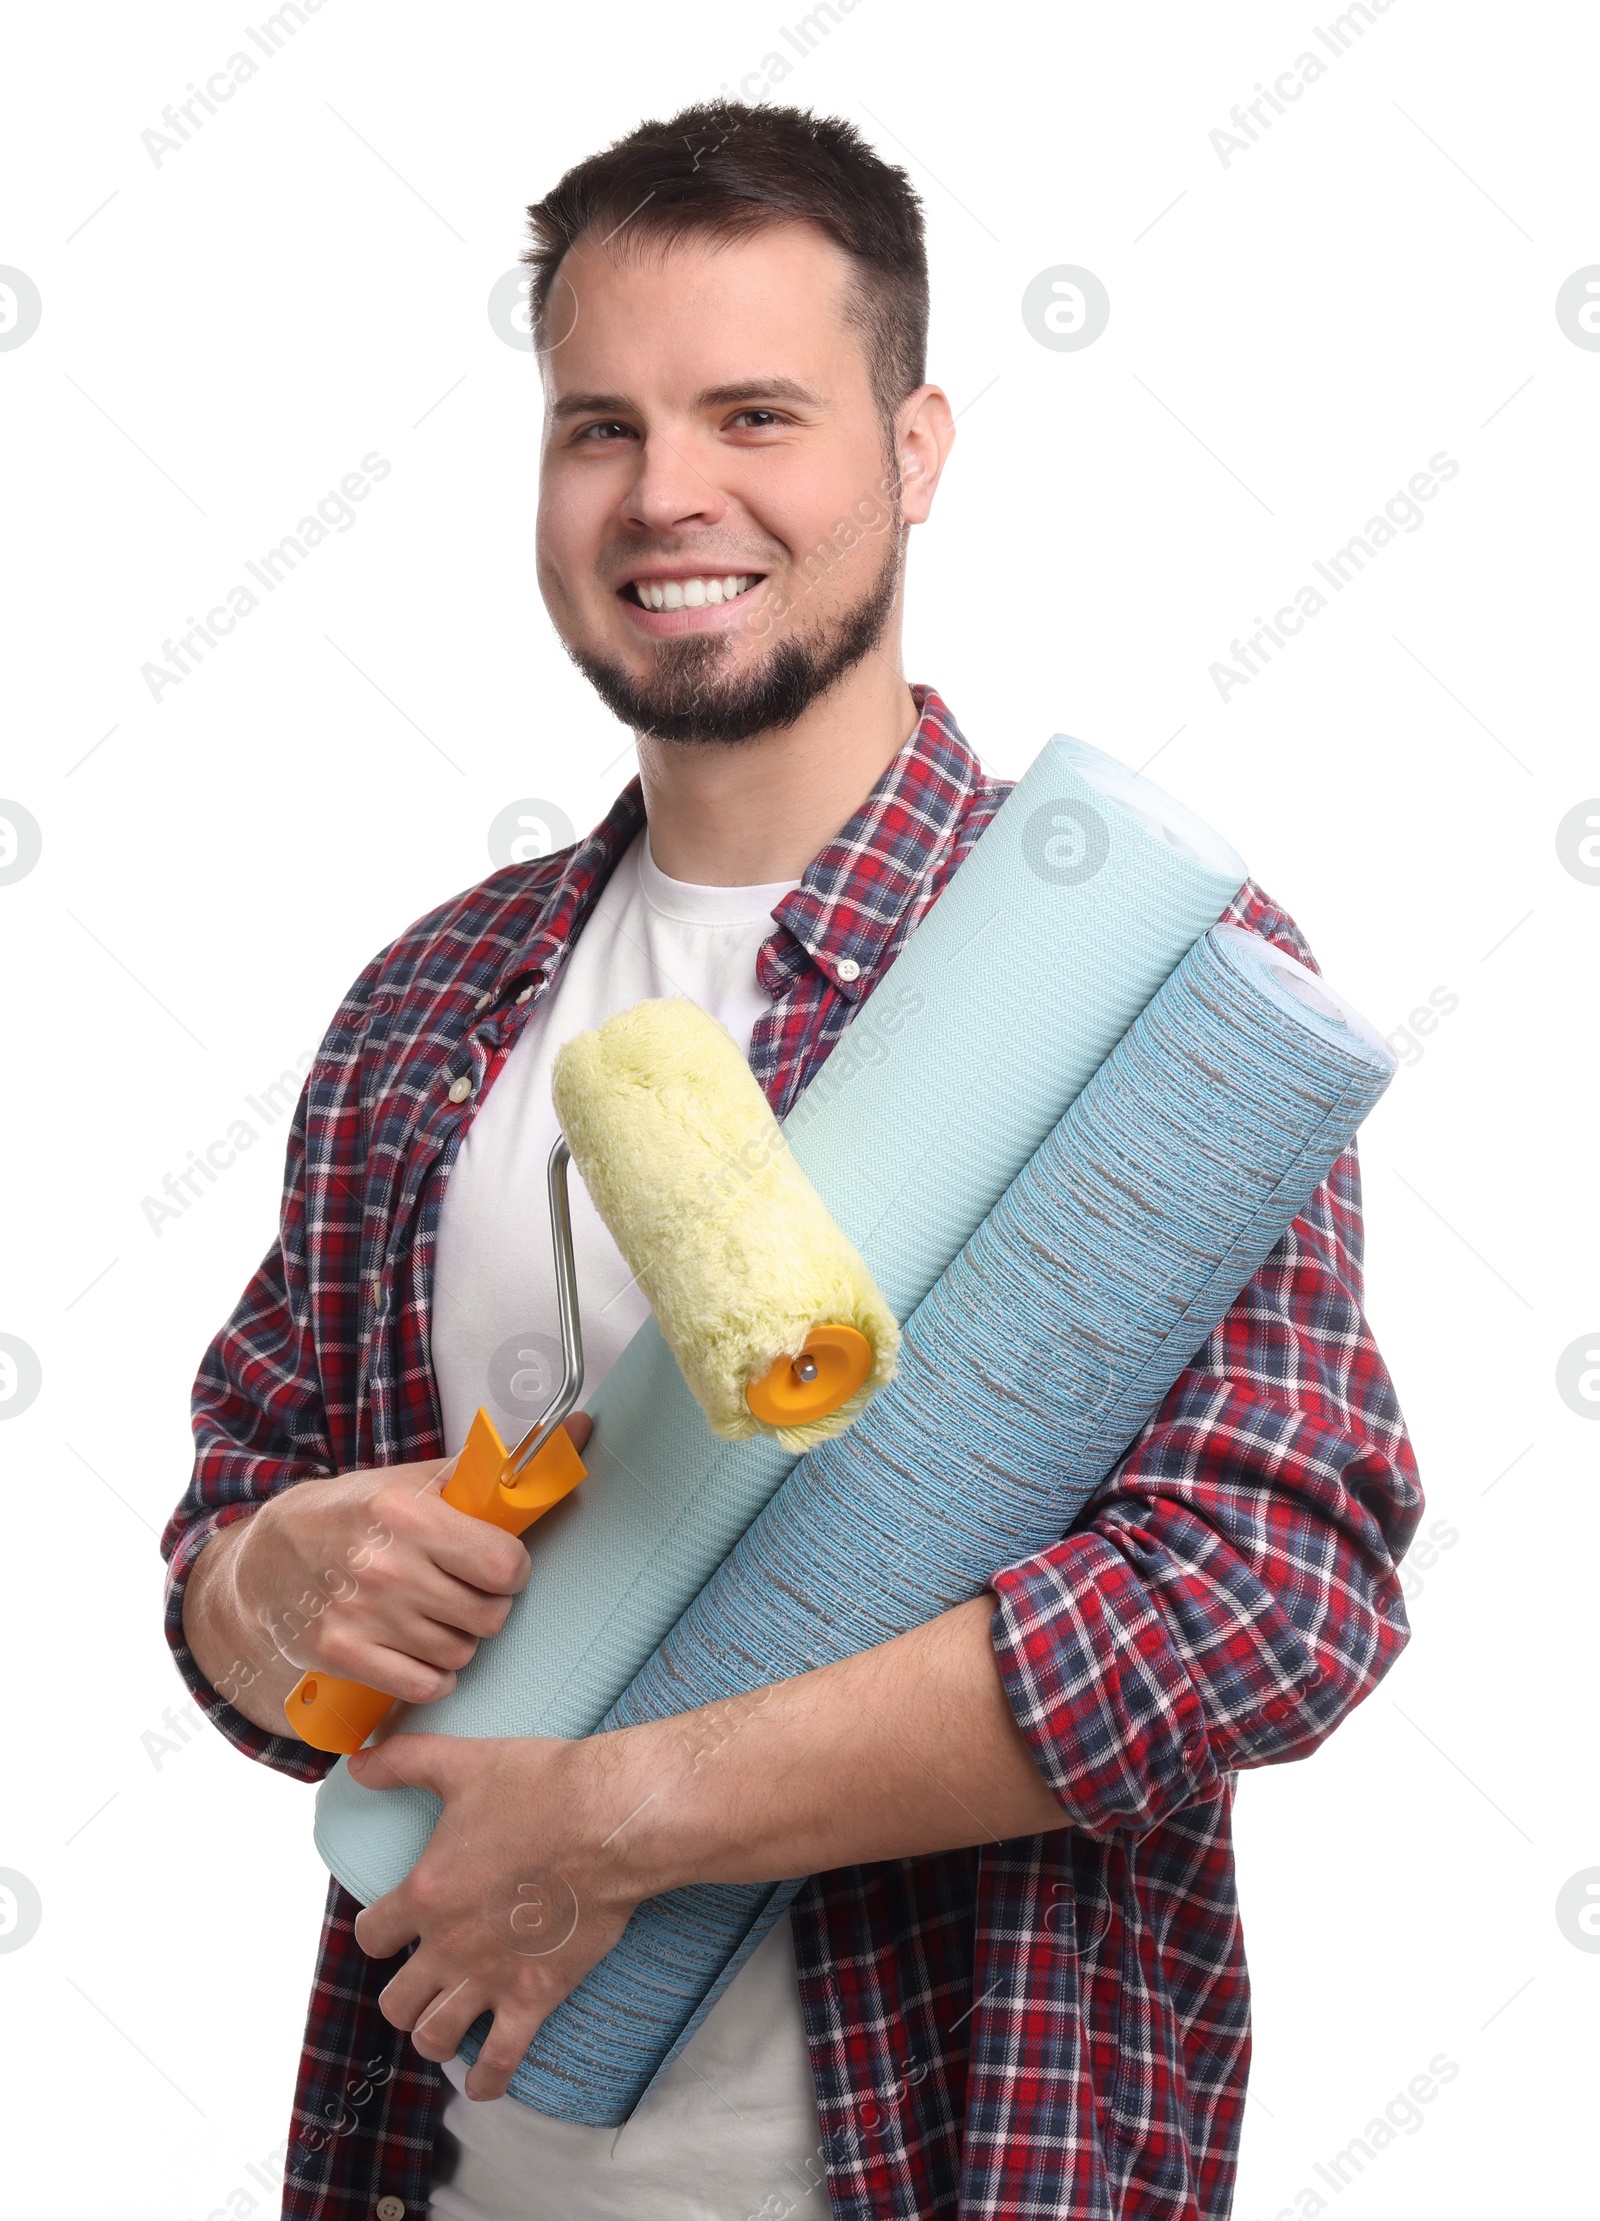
(772,1315)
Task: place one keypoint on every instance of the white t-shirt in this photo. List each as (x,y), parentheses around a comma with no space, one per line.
(734,2121)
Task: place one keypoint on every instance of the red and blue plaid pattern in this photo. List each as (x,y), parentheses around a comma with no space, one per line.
(1053,2026)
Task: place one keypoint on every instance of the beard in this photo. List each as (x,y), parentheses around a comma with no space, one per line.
(691,696)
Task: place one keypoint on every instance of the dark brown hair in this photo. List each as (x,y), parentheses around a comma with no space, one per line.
(726,171)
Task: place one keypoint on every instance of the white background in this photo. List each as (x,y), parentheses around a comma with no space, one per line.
(1292,336)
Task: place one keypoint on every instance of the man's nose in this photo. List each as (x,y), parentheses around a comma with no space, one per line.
(670,490)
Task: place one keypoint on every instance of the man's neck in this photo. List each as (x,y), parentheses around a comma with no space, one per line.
(757,811)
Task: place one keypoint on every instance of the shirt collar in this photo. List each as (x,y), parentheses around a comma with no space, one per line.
(846,915)
(567,900)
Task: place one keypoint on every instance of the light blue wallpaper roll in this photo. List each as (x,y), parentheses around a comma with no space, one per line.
(1085,891)
(1025,1373)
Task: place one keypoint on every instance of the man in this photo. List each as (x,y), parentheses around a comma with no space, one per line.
(1015,1982)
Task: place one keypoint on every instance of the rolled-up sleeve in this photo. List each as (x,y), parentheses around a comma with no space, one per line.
(1231,1591)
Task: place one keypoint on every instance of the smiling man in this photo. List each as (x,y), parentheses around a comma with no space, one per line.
(1014,1984)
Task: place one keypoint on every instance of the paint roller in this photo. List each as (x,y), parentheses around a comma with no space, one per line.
(773,1317)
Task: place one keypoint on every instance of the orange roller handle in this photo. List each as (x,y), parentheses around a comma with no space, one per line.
(335,1715)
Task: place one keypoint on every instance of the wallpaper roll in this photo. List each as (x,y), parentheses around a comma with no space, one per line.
(1074,906)
(1024,1375)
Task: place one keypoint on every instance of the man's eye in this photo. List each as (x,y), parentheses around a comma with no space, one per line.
(612,430)
(750,417)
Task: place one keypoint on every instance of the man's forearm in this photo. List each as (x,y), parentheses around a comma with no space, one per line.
(905,1750)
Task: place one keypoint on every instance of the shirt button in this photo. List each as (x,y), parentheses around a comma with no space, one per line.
(848,968)
(525,994)
(460,1089)
(484,1001)
(390,2209)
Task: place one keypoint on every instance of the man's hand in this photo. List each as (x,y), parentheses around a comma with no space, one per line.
(374,1577)
(523,1887)
(368,1575)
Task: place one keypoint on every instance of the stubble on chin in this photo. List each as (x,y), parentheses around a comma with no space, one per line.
(701,692)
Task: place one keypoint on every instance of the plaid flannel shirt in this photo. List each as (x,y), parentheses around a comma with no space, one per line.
(1052,2026)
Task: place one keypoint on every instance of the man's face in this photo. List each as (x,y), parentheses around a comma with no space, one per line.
(719,529)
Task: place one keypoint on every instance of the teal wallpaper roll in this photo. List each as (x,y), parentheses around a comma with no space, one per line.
(1085,892)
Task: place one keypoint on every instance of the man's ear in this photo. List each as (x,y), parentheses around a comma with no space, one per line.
(924,433)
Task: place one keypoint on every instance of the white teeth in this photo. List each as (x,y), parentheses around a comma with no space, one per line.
(691,593)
